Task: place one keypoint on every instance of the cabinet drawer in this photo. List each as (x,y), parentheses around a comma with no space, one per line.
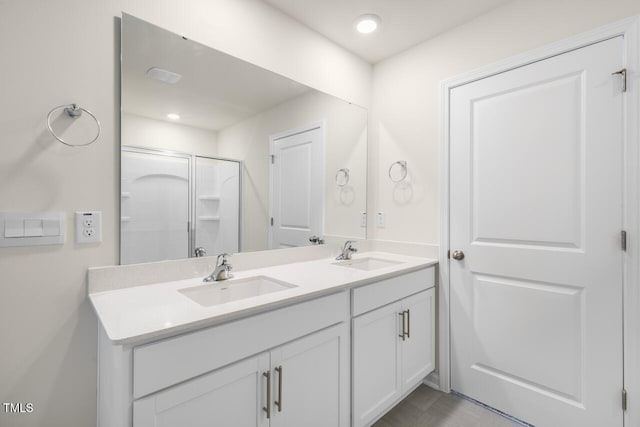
(369,297)
(161,364)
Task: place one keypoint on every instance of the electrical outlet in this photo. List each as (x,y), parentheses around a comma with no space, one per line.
(380,220)
(363,219)
(88,227)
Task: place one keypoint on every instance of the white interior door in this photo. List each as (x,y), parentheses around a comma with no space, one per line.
(536,208)
(297,188)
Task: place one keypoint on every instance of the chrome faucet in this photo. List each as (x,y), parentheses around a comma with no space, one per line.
(222,271)
(347,250)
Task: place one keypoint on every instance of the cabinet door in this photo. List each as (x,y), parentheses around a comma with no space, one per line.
(418,349)
(231,396)
(311,380)
(376,362)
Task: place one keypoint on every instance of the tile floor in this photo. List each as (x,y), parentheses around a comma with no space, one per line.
(426,407)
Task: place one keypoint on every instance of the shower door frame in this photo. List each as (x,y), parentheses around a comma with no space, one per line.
(191,159)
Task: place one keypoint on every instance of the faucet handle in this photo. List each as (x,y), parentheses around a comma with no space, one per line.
(224,259)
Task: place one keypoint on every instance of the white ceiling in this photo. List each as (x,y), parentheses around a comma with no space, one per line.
(405,23)
(216,90)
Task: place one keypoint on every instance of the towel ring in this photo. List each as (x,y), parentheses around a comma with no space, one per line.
(74,112)
(402,165)
(342,177)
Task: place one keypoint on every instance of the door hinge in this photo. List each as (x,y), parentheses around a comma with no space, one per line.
(272,221)
(623,74)
(623,240)
(449,254)
(273,158)
(624,399)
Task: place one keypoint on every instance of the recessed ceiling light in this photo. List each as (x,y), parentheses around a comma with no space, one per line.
(164,75)
(367,24)
(173,116)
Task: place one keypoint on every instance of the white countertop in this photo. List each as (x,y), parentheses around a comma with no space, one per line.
(138,314)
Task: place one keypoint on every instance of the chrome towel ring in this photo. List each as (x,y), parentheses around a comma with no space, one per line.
(342,177)
(73,111)
(398,171)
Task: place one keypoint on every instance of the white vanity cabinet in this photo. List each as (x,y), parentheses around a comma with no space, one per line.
(302,383)
(293,361)
(338,359)
(393,344)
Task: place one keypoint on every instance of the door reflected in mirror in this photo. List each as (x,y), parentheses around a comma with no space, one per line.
(220,155)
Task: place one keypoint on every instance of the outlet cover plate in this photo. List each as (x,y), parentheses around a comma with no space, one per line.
(88,227)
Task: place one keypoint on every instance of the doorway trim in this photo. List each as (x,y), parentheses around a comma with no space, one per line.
(629,29)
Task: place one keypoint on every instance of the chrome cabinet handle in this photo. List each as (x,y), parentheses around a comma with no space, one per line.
(279,401)
(457,255)
(408,323)
(404,333)
(267,408)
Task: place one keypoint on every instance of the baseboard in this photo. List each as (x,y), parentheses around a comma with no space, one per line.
(432,380)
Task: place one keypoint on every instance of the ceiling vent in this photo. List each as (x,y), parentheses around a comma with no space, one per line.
(164,75)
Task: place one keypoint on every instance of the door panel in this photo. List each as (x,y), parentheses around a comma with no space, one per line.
(553,184)
(536,207)
(297,188)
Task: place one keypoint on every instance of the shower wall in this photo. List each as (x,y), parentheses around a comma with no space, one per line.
(217,205)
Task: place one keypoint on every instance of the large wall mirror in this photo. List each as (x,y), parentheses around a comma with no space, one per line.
(219,155)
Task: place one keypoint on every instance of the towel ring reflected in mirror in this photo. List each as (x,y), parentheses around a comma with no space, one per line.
(342,177)
(73,111)
(398,171)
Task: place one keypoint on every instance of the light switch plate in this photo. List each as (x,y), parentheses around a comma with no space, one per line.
(88,227)
(32,228)
(380,220)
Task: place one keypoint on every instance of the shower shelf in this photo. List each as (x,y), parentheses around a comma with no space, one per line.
(209,218)
(209,197)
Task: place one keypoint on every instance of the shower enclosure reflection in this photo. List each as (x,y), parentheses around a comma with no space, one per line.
(173,203)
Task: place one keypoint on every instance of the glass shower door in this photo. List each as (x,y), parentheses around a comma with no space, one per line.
(154,207)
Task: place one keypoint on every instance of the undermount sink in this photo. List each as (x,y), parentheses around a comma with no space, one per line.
(367,264)
(216,293)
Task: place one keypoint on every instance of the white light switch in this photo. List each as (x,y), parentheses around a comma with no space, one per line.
(14,228)
(50,227)
(380,220)
(32,228)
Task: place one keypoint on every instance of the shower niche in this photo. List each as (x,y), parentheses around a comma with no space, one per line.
(173,204)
